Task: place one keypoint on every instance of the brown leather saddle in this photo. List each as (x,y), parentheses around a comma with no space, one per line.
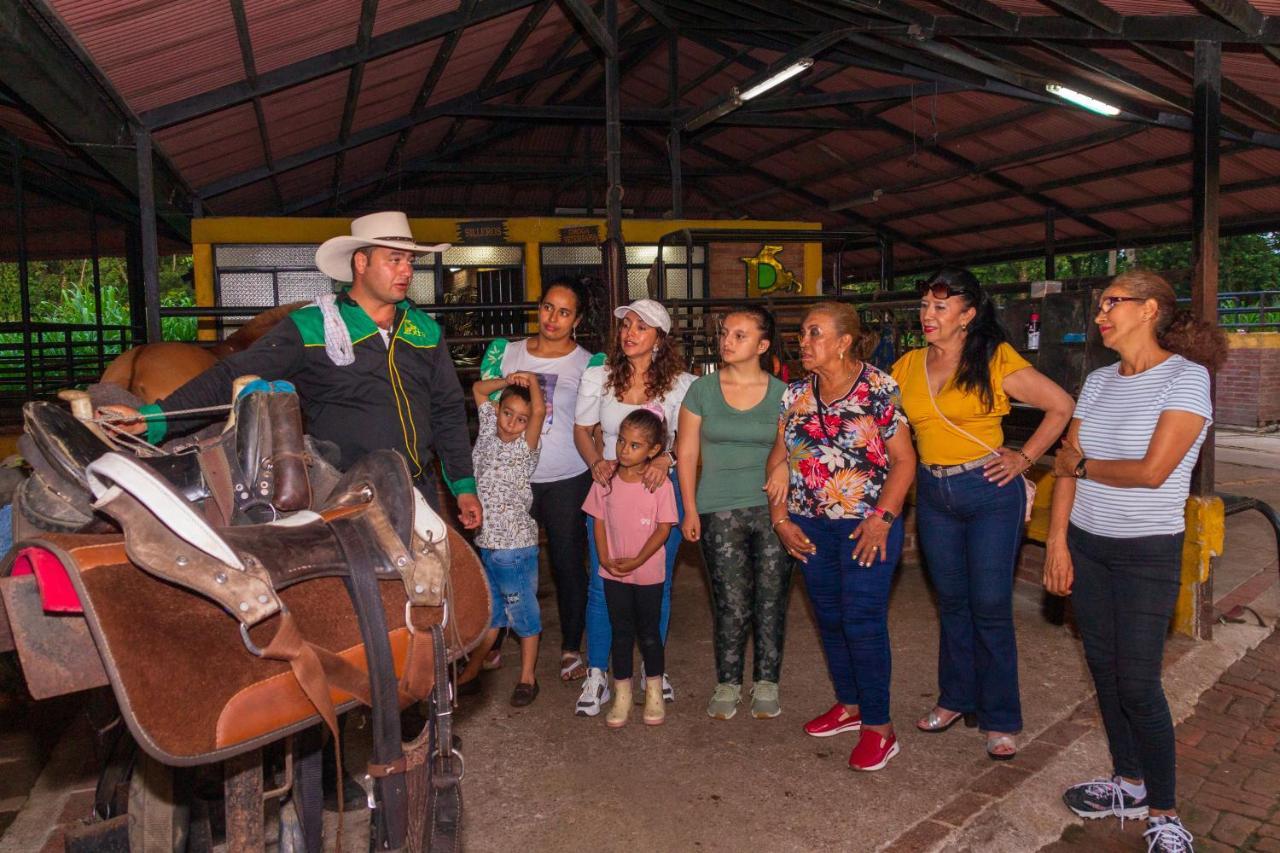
(219,640)
(252,468)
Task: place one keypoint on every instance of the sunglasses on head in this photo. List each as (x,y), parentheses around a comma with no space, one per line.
(938,290)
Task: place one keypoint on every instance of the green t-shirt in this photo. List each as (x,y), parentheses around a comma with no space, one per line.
(735,444)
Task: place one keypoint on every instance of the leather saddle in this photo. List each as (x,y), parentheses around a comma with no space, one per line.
(185,614)
(256,467)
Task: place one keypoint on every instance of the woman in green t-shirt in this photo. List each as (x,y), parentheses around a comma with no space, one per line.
(730,419)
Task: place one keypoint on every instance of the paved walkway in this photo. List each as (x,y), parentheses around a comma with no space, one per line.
(1228,767)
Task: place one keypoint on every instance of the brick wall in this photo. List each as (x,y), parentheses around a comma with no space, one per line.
(729,274)
(1248,387)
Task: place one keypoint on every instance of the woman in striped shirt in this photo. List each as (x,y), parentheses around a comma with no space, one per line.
(1115,536)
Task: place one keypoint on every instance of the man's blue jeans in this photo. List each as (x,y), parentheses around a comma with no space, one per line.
(599,632)
(970,531)
(851,604)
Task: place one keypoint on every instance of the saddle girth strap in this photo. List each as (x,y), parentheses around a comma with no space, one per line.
(388,821)
(445,792)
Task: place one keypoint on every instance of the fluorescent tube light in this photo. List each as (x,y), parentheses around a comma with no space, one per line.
(728,105)
(782,76)
(1092,104)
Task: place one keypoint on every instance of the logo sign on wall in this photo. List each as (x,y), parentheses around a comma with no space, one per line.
(486,231)
(580,235)
(767,276)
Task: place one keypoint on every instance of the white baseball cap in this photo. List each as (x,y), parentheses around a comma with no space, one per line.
(648,310)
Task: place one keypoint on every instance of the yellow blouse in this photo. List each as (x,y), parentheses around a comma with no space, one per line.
(937,443)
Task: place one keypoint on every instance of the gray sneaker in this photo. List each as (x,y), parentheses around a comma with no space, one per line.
(764,700)
(724,701)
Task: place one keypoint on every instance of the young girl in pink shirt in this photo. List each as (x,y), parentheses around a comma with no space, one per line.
(631,527)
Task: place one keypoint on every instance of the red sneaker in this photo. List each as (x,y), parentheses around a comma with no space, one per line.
(873,751)
(833,722)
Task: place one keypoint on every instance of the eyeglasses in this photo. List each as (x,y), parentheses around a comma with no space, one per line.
(938,291)
(1106,303)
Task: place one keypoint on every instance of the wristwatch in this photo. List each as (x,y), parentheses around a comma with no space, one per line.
(885,516)
(1080,472)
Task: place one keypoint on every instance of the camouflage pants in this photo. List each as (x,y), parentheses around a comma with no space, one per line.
(750,580)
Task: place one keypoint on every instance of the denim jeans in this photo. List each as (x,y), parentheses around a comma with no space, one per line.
(970,531)
(599,634)
(557,506)
(513,589)
(1123,597)
(851,604)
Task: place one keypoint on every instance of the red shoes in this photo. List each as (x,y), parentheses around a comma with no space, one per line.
(833,722)
(873,751)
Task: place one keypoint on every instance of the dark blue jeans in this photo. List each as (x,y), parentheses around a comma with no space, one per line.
(1123,598)
(851,603)
(970,531)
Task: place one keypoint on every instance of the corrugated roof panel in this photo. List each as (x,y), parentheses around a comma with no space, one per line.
(390,85)
(305,116)
(394,14)
(473,56)
(310,180)
(157,53)
(214,146)
(425,137)
(254,200)
(539,48)
(287,31)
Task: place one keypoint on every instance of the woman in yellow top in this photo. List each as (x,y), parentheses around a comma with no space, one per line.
(970,503)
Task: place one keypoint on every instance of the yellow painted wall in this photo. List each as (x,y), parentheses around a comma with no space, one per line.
(208,232)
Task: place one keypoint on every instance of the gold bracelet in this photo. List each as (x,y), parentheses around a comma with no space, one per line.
(775,524)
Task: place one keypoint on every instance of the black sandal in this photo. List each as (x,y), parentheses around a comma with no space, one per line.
(524,694)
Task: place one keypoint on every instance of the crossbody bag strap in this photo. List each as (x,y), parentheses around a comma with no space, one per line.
(924,365)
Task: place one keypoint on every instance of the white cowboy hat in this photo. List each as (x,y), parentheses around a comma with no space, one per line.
(389,229)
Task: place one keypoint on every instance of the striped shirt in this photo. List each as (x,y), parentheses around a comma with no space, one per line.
(1118,416)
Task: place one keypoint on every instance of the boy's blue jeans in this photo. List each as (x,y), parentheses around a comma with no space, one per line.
(513,589)
(851,604)
(599,632)
(970,531)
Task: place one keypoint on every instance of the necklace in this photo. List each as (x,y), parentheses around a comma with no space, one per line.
(817,393)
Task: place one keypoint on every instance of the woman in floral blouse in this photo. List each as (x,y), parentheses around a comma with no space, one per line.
(835,505)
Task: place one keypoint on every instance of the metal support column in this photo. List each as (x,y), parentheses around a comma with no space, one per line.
(1050,247)
(673,138)
(97,291)
(24,284)
(147,221)
(1204,247)
(614,251)
(886,265)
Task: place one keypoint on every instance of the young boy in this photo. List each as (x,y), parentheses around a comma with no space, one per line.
(505,454)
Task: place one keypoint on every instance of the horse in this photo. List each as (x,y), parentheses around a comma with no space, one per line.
(153,371)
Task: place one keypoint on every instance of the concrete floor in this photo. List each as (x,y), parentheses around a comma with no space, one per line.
(551,781)
(542,779)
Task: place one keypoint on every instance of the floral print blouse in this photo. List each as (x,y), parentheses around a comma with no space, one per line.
(837,457)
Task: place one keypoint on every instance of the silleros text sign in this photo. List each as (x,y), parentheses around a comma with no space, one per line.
(486,231)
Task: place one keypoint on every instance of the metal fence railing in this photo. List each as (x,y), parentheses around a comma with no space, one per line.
(44,358)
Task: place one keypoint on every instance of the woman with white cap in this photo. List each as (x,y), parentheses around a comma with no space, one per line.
(643,368)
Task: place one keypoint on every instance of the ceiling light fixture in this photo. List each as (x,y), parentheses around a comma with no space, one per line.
(797,67)
(1080,99)
(737,98)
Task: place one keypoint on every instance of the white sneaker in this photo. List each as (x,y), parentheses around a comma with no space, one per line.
(668,692)
(1167,835)
(595,693)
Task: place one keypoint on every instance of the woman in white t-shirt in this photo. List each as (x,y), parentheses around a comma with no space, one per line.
(1116,530)
(643,368)
(561,481)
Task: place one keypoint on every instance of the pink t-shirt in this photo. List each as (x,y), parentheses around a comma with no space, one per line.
(630,513)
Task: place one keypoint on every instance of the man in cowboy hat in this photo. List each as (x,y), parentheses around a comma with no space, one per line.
(371,370)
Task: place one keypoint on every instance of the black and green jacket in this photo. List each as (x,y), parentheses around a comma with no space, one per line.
(357,407)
